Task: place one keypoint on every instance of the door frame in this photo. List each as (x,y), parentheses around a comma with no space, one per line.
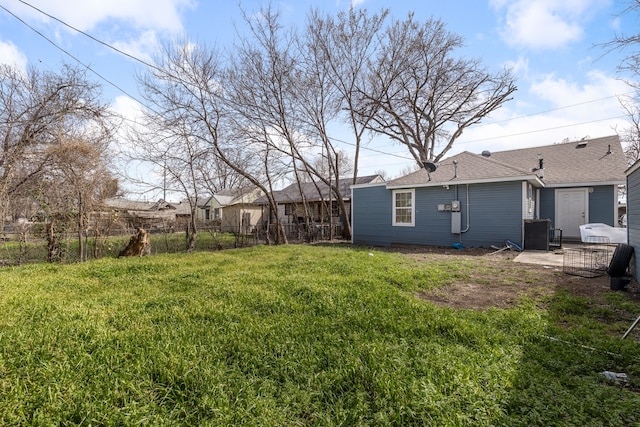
(571,190)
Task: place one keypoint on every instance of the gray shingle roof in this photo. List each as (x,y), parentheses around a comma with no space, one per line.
(234,196)
(468,167)
(291,193)
(128,205)
(571,163)
(588,161)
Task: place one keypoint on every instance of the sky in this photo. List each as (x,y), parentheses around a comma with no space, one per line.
(568,85)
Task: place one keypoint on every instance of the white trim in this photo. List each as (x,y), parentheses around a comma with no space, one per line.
(373,184)
(525,200)
(394,223)
(632,168)
(585,184)
(616,206)
(530,178)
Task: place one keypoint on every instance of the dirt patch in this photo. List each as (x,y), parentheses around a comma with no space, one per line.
(497,281)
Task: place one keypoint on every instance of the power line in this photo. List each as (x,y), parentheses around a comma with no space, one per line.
(92,37)
(371,149)
(539,130)
(88,67)
(486,139)
(363,147)
(564,107)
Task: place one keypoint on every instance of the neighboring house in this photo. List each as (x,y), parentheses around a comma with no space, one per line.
(481,200)
(148,215)
(314,200)
(232,210)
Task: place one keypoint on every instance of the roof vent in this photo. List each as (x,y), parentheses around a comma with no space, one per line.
(486,153)
(581,145)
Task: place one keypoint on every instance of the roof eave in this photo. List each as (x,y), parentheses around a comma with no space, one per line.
(584,184)
(633,168)
(533,179)
(373,184)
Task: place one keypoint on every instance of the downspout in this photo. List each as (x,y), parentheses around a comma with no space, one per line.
(468,220)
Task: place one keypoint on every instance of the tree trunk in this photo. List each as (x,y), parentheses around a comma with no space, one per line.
(80,231)
(192,233)
(53,242)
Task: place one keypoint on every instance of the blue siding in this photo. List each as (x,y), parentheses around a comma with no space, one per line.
(371,216)
(602,205)
(548,204)
(633,216)
(493,214)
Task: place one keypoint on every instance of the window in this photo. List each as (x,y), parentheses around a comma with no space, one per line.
(216,213)
(290,209)
(403,207)
(246,219)
(335,209)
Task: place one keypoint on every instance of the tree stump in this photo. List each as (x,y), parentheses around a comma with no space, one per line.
(139,245)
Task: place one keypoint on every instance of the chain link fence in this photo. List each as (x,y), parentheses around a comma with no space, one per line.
(33,243)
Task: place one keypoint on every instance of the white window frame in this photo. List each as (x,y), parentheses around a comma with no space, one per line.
(395,193)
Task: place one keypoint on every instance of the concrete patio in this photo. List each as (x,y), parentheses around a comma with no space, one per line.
(550,258)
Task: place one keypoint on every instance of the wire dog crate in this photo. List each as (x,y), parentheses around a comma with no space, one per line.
(588,261)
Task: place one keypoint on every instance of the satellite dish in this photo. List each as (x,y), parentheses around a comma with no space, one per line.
(430,167)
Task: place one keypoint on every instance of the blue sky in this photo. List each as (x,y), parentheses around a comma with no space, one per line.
(567,89)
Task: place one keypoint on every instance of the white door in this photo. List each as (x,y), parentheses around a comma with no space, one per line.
(572,211)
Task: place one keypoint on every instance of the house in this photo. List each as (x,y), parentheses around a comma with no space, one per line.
(232,210)
(149,215)
(480,200)
(313,201)
(633,214)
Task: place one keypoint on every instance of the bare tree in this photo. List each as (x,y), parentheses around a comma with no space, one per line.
(39,113)
(170,139)
(35,108)
(191,95)
(264,80)
(629,42)
(630,66)
(320,101)
(424,96)
(73,187)
(631,134)
(341,48)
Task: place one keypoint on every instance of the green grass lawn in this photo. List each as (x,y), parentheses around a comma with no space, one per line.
(293,336)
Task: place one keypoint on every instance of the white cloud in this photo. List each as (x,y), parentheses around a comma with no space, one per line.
(544,24)
(597,85)
(127,107)
(567,109)
(11,55)
(519,67)
(162,15)
(142,47)
(131,111)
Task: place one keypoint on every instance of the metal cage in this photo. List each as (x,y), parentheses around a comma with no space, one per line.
(588,261)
